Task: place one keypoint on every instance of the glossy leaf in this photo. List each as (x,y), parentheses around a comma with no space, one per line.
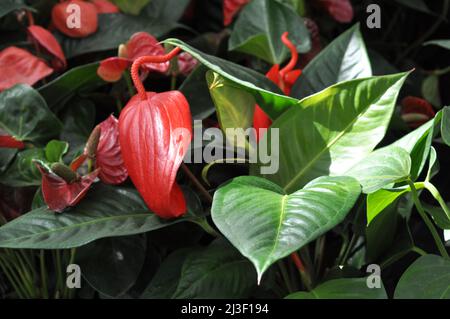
(108,156)
(105,212)
(21,67)
(25,115)
(322,135)
(168,10)
(218,271)
(381,168)
(379,200)
(281,224)
(345,58)
(8,6)
(261,37)
(445,125)
(442,43)
(6,156)
(131,7)
(249,80)
(344,288)
(233,105)
(54,150)
(22,171)
(427,278)
(439,216)
(76,80)
(112,265)
(430,90)
(155,134)
(113,29)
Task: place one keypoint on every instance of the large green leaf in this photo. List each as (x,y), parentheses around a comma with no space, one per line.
(22,171)
(381,168)
(166,10)
(445,125)
(234,106)
(439,216)
(280,223)
(25,115)
(427,278)
(6,157)
(442,43)
(132,7)
(112,265)
(7,6)
(113,29)
(261,36)
(344,288)
(71,82)
(105,212)
(195,89)
(343,59)
(329,132)
(379,200)
(249,80)
(218,271)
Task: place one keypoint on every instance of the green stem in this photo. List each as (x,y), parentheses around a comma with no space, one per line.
(427,221)
(285,276)
(173,82)
(435,193)
(44,287)
(127,77)
(68,294)
(419,251)
(203,223)
(20,289)
(10,278)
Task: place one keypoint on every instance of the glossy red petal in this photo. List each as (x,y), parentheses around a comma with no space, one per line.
(64,18)
(186,63)
(20,66)
(289,80)
(260,122)
(231,8)
(111,69)
(8,141)
(273,74)
(108,156)
(47,41)
(104,6)
(340,10)
(58,194)
(144,44)
(154,136)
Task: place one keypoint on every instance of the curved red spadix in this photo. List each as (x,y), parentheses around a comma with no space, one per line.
(153,150)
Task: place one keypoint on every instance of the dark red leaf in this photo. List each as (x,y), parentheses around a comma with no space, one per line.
(62,16)
(20,66)
(231,8)
(108,156)
(59,194)
(153,148)
(111,69)
(144,44)
(46,40)
(104,6)
(340,10)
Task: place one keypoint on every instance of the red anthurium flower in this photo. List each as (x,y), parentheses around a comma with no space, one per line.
(416,111)
(186,63)
(284,78)
(108,156)
(231,8)
(140,44)
(20,66)
(340,10)
(154,133)
(8,141)
(44,39)
(104,6)
(64,18)
(59,193)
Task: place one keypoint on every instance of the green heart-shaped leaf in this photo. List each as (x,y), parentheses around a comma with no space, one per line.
(343,59)
(54,150)
(261,37)
(265,224)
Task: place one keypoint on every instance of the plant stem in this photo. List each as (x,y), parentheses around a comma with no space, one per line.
(427,221)
(173,82)
(435,193)
(127,77)
(196,183)
(419,251)
(285,276)
(44,287)
(203,223)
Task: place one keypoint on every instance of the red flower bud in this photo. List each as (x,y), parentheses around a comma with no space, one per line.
(20,66)
(104,6)
(154,133)
(340,10)
(47,41)
(65,20)
(416,111)
(8,141)
(231,8)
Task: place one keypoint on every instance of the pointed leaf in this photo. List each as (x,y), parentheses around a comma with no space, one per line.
(379,200)
(345,58)
(281,224)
